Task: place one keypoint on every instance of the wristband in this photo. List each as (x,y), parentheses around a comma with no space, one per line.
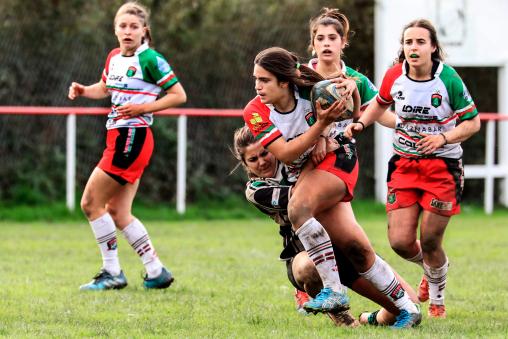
(361,123)
(444,137)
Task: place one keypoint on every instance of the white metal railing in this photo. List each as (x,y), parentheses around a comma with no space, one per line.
(488,171)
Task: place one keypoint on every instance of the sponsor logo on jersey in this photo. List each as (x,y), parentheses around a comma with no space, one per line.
(131,71)
(415,109)
(400,96)
(309,117)
(113,77)
(436,100)
(162,65)
(441,205)
(257,122)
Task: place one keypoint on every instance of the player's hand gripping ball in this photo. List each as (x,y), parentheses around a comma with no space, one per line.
(326,93)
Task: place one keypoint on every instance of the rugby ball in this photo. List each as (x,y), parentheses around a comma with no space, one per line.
(326,93)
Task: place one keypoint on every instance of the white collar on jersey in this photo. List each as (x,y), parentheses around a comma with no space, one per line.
(313,64)
(439,69)
(142,48)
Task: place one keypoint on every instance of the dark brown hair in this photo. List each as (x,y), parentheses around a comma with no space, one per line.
(423,23)
(330,17)
(286,67)
(134,8)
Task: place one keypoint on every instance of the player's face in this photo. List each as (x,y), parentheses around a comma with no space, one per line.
(328,43)
(269,89)
(129,30)
(418,47)
(259,161)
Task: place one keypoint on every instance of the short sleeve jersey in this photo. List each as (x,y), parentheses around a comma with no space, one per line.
(366,89)
(267,125)
(136,79)
(426,107)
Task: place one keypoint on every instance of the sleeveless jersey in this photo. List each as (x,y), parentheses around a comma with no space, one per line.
(267,125)
(366,89)
(426,107)
(136,79)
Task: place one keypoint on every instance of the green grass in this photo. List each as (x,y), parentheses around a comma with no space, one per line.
(229,282)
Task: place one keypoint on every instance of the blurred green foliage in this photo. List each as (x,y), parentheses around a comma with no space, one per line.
(211,44)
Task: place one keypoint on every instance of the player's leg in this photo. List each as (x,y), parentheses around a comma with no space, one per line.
(389,312)
(98,190)
(304,276)
(120,208)
(312,194)
(353,242)
(435,261)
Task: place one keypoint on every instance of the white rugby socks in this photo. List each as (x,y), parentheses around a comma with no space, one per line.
(138,238)
(105,233)
(437,282)
(317,243)
(382,277)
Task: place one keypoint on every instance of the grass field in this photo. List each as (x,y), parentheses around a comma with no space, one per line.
(229,283)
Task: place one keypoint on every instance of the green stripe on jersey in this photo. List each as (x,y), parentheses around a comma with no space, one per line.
(457,92)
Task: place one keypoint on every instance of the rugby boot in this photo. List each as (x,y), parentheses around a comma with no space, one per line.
(105,281)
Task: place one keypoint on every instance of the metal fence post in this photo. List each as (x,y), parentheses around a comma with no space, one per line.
(70,160)
(181,171)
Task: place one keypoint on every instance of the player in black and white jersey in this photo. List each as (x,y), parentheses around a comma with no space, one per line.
(269,190)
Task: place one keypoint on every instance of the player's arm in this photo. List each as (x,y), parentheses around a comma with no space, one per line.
(175,96)
(288,151)
(430,143)
(387,119)
(95,91)
(268,196)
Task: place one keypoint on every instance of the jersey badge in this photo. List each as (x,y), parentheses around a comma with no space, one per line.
(436,100)
(309,117)
(131,71)
(257,122)
(392,198)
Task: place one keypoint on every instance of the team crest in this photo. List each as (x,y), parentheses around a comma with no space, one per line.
(257,122)
(392,198)
(436,100)
(131,71)
(309,117)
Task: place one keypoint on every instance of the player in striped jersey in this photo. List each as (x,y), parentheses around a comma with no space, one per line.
(425,174)
(133,76)
(269,191)
(281,117)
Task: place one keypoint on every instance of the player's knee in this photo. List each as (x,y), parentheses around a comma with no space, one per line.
(307,276)
(401,246)
(430,243)
(299,210)
(86,205)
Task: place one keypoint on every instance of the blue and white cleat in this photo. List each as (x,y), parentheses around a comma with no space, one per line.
(327,301)
(163,280)
(407,320)
(105,281)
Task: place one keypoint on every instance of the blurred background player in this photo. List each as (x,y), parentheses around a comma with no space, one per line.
(425,174)
(268,190)
(134,75)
